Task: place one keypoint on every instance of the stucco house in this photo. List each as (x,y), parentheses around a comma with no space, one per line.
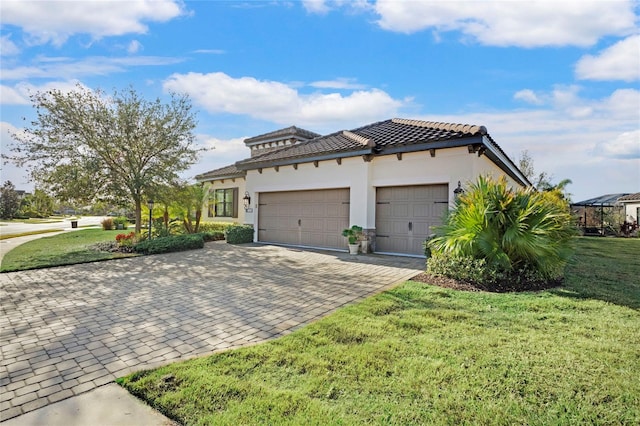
(395,178)
(631,204)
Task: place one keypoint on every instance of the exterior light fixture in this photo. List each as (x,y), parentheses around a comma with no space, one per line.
(246,201)
(458,190)
(150,205)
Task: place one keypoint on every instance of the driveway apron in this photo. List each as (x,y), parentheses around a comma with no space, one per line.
(68,330)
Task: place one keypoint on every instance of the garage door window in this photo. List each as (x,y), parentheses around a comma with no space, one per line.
(224,203)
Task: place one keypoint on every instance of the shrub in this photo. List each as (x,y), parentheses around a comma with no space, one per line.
(126,240)
(215,226)
(212,236)
(107,224)
(121,222)
(170,244)
(488,276)
(521,230)
(239,234)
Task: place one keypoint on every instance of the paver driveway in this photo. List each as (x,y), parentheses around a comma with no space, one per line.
(67,330)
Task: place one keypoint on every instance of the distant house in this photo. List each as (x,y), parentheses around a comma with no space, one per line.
(631,204)
(395,178)
(607,214)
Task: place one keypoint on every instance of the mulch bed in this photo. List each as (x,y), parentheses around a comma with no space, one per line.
(504,287)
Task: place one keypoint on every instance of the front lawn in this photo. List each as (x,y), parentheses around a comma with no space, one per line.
(62,249)
(421,354)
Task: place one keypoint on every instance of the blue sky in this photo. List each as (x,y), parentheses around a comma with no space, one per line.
(559,79)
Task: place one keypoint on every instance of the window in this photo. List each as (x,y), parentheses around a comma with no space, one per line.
(224,203)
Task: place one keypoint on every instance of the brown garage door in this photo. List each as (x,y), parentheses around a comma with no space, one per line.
(305,218)
(404,215)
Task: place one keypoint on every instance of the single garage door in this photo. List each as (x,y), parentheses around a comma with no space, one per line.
(404,215)
(304,218)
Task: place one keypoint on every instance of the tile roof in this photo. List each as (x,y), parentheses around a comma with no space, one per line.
(282,133)
(227,172)
(385,137)
(630,197)
(377,137)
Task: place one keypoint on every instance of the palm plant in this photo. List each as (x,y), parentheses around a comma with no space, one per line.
(512,230)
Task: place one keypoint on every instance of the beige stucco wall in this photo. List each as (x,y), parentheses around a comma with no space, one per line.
(211,186)
(631,211)
(448,167)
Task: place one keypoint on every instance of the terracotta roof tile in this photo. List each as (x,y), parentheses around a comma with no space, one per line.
(226,172)
(630,197)
(280,133)
(389,133)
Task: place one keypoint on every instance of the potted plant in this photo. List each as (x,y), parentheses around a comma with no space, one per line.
(353,234)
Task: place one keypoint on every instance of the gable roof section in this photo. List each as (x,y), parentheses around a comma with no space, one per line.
(280,134)
(227,172)
(630,197)
(388,137)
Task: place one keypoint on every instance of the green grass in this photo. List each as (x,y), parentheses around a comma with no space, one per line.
(421,354)
(62,249)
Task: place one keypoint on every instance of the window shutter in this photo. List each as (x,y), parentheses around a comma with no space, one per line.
(235,202)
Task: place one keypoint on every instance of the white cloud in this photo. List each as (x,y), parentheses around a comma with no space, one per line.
(528,95)
(593,150)
(280,103)
(624,146)
(316,6)
(67,68)
(618,62)
(11,96)
(338,83)
(220,153)
(210,51)
(55,21)
(20,93)
(134,47)
(8,47)
(321,7)
(515,23)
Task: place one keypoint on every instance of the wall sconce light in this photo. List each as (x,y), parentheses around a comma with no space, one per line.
(246,200)
(458,190)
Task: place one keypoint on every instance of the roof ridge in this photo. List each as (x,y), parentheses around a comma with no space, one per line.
(453,127)
(358,138)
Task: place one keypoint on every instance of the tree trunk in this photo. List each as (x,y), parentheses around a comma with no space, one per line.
(198,217)
(138,215)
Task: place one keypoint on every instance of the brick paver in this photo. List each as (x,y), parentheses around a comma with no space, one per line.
(67,330)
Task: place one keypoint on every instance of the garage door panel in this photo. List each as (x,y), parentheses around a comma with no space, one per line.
(312,218)
(406,215)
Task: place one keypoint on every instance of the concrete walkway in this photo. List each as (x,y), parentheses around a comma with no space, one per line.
(69,330)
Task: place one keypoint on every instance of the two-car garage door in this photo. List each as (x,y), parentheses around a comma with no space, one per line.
(305,218)
(404,217)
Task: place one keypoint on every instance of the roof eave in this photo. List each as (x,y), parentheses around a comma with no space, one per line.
(204,178)
(305,159)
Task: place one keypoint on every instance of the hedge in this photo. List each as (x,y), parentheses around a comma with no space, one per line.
(170,244)
(239,234)
(215,226)
(212,236)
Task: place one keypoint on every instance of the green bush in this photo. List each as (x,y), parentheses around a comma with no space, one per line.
(170,244)
(215,226)
(212,236)
(488,276)
(121,222)
(521,230)
(239,234)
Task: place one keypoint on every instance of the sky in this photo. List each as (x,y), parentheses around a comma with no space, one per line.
(560,79)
